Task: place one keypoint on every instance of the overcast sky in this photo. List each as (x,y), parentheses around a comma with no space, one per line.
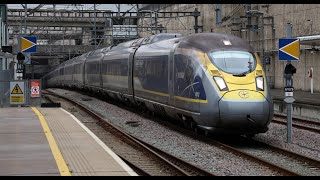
(113,7)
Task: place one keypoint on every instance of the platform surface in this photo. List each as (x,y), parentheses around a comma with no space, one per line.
(80,150)
(26,148)
(304,97)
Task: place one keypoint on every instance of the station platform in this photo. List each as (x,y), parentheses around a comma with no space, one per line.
(52,142)
(306,105)
(302,97)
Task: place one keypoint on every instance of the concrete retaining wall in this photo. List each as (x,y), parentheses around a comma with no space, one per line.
(304,111)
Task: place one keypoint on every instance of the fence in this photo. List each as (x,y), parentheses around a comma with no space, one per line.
(5,91)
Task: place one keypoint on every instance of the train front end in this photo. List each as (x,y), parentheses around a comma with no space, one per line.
(245,106)
(238,99)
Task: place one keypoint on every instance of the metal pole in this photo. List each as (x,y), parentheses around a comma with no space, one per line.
(138,15)
(111,25)
(32,71)
(195,20)
(95,28)
(151,21)
(289,124)
(156,22)
(25,19)
(289,30)
(289,105)
(263,50)
(311,80)
(218,14)
(118,11)
(25,33)
(196,14)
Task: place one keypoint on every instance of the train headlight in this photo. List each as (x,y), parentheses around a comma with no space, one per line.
(221,84)
(259,83)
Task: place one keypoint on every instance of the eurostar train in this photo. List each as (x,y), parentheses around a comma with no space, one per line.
(212,82)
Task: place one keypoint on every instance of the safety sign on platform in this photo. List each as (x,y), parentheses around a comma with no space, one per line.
(289,49)
(17,95)
(28,44)
(35,88)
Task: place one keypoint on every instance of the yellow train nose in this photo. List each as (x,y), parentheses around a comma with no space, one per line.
(243,95)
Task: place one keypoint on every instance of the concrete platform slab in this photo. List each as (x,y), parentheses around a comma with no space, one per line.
(81,149)
(24,149)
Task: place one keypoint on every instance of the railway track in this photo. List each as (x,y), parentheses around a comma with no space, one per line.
(298,123)
(308,165)
(278,159)
(142,157)
(237,151)
(291,161)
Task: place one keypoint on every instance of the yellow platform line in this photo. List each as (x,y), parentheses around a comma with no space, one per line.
(62,166)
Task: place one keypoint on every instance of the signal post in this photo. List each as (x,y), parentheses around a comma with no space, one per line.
(289,50)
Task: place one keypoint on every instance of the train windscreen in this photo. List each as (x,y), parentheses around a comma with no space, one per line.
(233,62)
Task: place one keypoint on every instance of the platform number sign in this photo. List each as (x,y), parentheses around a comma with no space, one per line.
(20,68)
(17,95)
(35,88)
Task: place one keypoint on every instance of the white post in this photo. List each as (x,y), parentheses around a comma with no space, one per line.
(311,81)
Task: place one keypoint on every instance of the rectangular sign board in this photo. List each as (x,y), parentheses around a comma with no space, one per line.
(288,94)
(289,49)
(20,68)
(28,44)
(17,93)
(288,89)
(35,88)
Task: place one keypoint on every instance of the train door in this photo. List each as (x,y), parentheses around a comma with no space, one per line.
(134,47)
(130,78)
(171,76)
(186,79)
(84,73)
(100,73)
(72,75)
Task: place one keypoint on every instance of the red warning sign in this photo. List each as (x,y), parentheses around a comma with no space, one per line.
(35,88)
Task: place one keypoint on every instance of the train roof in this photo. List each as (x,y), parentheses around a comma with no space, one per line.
(164,36)
(147,40)
(207,42)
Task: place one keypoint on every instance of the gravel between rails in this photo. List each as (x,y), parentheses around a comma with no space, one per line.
(211,158)
(303,141)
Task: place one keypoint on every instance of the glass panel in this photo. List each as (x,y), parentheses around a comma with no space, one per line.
(233,62)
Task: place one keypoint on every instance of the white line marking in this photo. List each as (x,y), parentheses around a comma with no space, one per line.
(105,147)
